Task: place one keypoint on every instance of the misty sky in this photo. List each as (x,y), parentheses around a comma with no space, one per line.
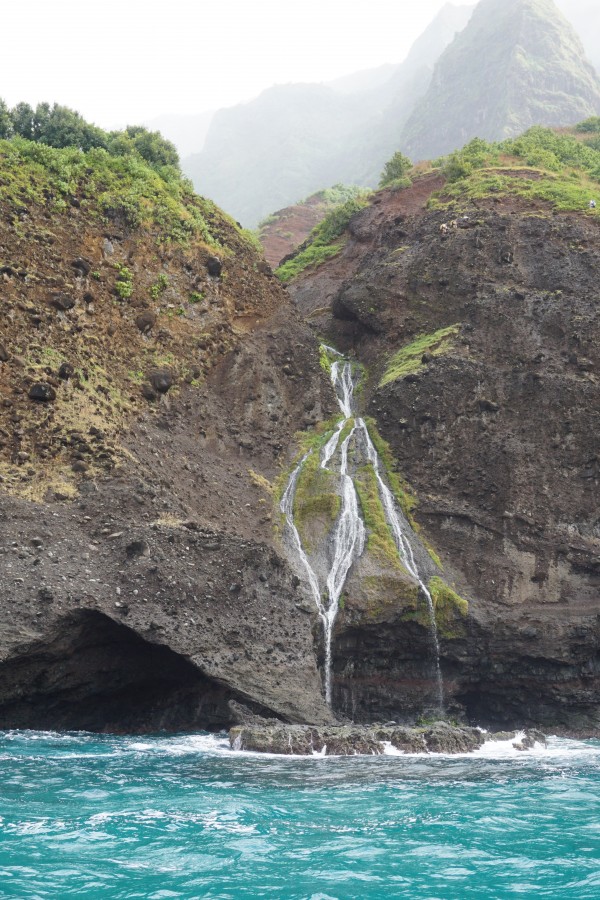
(128,61)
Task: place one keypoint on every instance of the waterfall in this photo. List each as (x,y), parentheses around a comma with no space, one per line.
(348,537)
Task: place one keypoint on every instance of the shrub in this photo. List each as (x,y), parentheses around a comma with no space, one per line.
(395,169)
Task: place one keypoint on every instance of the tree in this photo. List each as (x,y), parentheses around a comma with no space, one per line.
(151,146)
(60,126)
(22,118)
(395,168)
(5,120)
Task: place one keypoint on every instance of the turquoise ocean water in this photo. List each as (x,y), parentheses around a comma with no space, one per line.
(184,817)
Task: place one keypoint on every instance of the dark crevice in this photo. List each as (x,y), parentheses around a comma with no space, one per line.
(94,674)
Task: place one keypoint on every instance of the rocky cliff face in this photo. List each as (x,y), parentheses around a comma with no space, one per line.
(491,411)
(150,387)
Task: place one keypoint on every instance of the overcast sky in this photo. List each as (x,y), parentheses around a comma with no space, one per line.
(128,61)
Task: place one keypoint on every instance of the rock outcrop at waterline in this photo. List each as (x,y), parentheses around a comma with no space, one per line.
(363,740)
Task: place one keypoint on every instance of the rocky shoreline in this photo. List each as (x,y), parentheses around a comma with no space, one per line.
(370,740)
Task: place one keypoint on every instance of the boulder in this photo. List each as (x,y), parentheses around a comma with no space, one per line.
(42,391)
(66,371)
(161,380)
(214,266)
(62,302)
(82,266)
(145,321)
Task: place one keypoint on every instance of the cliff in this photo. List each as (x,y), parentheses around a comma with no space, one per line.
(159,387)
(151,372)
(475,312)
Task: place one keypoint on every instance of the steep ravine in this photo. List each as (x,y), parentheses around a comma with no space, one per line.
(495,428)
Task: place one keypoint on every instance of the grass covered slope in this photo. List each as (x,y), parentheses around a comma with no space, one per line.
(558,168)
(285,230)
(324,241)
(119,285)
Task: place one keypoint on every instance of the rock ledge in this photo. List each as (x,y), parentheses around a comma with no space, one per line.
(354,740)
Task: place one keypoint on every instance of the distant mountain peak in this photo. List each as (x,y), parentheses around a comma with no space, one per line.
(517,63)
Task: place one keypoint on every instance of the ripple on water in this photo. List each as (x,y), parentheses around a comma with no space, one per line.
(107,817)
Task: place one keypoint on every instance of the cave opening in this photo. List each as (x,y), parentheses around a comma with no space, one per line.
(94,674)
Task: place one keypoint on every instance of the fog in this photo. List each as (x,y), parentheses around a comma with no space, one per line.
(129,61)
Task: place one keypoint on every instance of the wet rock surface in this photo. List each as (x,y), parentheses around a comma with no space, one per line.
(369,740)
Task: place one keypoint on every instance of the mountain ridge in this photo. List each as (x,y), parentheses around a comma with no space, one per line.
(516,64)
(294,140)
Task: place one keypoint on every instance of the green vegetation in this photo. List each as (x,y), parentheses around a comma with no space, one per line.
(395,171)
(316,503)
(325,360)
(252,238)
(159,286)
(409,358)
(59,127)
(400,489)
(589,126)
(390,594)
(123,189)
(313,439)
(380,541)
(124,283)
(322,201)
(340,194)
(450,609)
(560,168)
(324,240)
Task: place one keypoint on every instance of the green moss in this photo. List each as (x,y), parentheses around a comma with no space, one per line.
(314,439)
(346,431)
(400,489)
(408,359)
(316,503)
(325,360)
(450,609)
(388,593)
(380,541)
(310,258)
(317,437)
(433,555)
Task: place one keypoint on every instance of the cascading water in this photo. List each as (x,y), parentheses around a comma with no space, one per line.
(348,538)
